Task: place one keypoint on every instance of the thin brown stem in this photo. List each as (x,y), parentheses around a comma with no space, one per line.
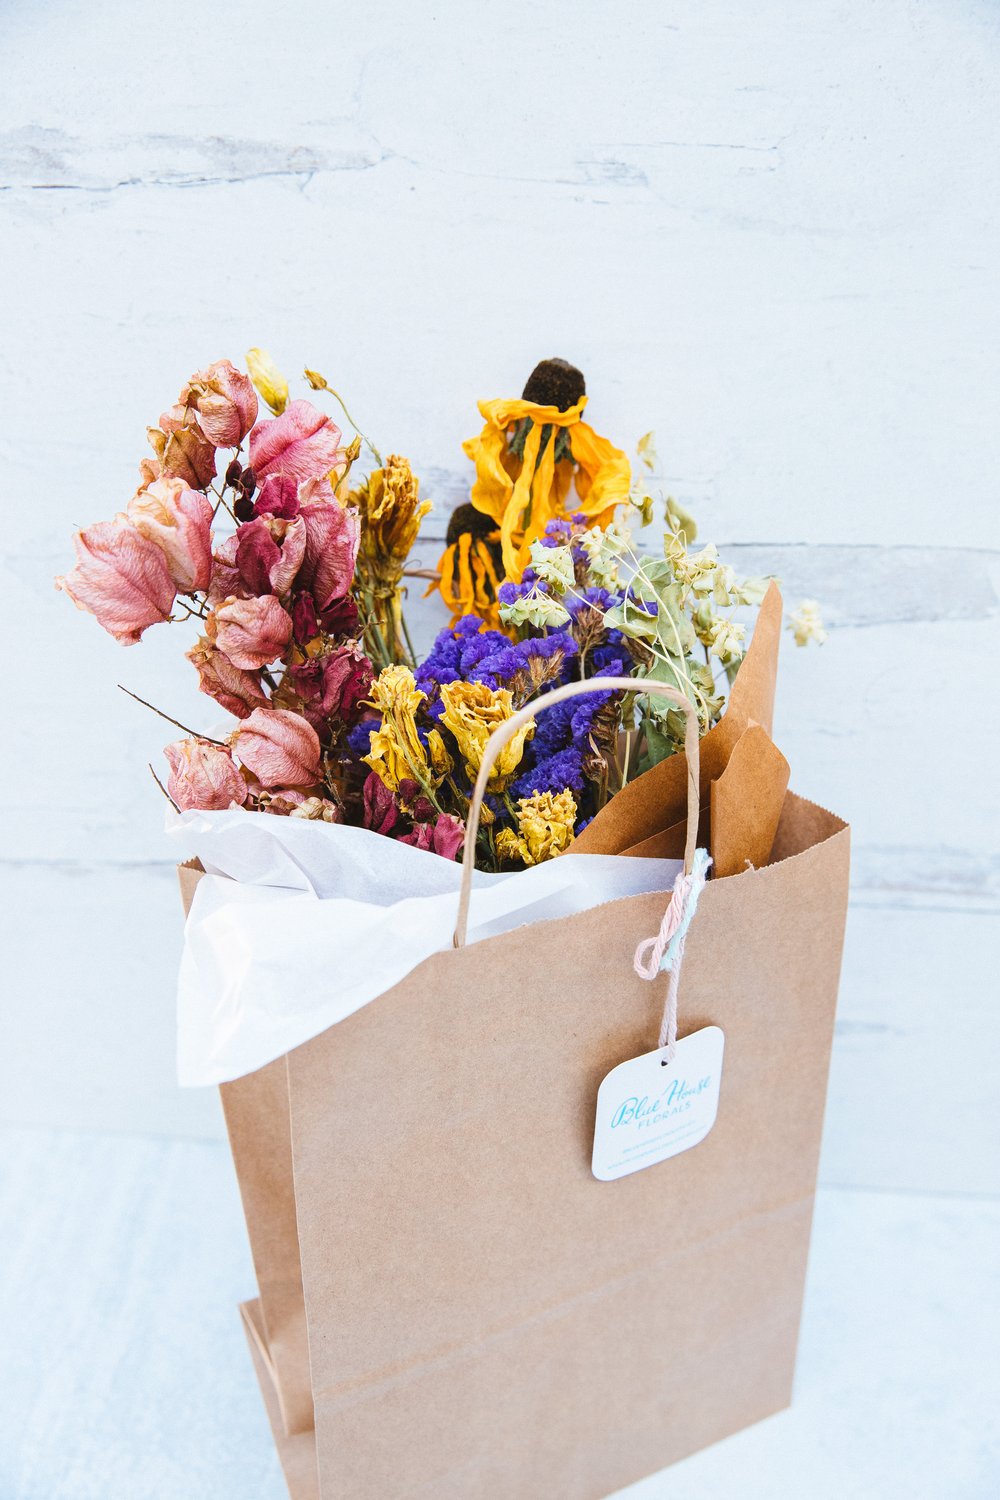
(176,722)
(163,789)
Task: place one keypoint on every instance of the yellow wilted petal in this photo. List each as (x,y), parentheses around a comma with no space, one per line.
(268,379)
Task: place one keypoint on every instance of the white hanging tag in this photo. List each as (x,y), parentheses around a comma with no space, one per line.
(649,1109)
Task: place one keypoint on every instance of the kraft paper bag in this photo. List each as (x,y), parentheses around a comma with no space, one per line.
(259,1130)
(487,1320)
(296,1451)
(648,815)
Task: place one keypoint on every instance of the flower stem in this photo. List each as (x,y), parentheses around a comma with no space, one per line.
(176,722)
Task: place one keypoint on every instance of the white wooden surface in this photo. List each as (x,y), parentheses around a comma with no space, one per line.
(770,234)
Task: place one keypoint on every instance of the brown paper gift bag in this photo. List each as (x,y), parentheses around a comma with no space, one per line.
(487,1321)
(744,799)
(259,1130)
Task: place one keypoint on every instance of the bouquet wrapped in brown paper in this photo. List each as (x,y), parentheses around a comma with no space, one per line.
(516,965)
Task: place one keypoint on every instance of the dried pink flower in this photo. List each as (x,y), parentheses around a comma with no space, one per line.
(268,554)
(379,810)
(279,747)
(278,496)
(183,450)
(333,686)
(225,401)
(251,632)
(121,577)
(302,442)
(179,520)
(445,837)
(203,776)
(332,537)
(238,691)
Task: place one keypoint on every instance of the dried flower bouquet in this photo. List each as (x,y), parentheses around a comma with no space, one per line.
(294,568)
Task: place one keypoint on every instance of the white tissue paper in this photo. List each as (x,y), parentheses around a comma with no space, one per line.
(297,924)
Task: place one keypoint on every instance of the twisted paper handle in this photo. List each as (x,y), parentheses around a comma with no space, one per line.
(504,731)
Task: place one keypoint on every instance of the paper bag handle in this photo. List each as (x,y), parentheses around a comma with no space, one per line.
(510,726)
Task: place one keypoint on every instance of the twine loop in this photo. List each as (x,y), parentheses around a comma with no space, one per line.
(665,951)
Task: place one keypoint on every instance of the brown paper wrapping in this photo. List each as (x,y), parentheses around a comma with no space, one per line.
(487,1321)
(647,816)
(259,1130)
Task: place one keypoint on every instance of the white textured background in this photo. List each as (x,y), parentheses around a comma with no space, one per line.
(768,232)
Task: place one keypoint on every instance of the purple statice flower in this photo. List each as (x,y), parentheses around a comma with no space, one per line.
(497,667)
(593,596)
(557,533)
(553,729)
(445,662)
(610,659)
(545,647)
(553,774)
(508,592)
(359,738)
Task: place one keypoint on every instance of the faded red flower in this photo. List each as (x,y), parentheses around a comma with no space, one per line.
(280,747)
(182,448)
(332,537)
(379,810)
(268,554)
(251,632)
(278,496)
(302,442)
(305,624)
(333,686)
(179,520)
(121,577)
(225,401)
(203,776)
(445,837)
(238,691)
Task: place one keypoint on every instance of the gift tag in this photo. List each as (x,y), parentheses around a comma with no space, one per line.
(649,1109)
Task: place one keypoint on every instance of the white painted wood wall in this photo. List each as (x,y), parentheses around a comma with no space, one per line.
(768,232)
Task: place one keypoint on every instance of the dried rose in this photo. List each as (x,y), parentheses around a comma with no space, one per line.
(203,776)
(279,747)
(333,686)
(251,632)
(332,536)
(269,553)
(301,443)
(445,837)
(238,691)
(182,448)
(225,401)
(179,520)
(278,496)
(379,810)
(305,624)
(121,577)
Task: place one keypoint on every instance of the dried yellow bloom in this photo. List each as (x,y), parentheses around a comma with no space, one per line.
(390,519)
(268,379)
(510,847)
(545,822)
(522,493)
(472,711)
(396,753)
(469,581)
